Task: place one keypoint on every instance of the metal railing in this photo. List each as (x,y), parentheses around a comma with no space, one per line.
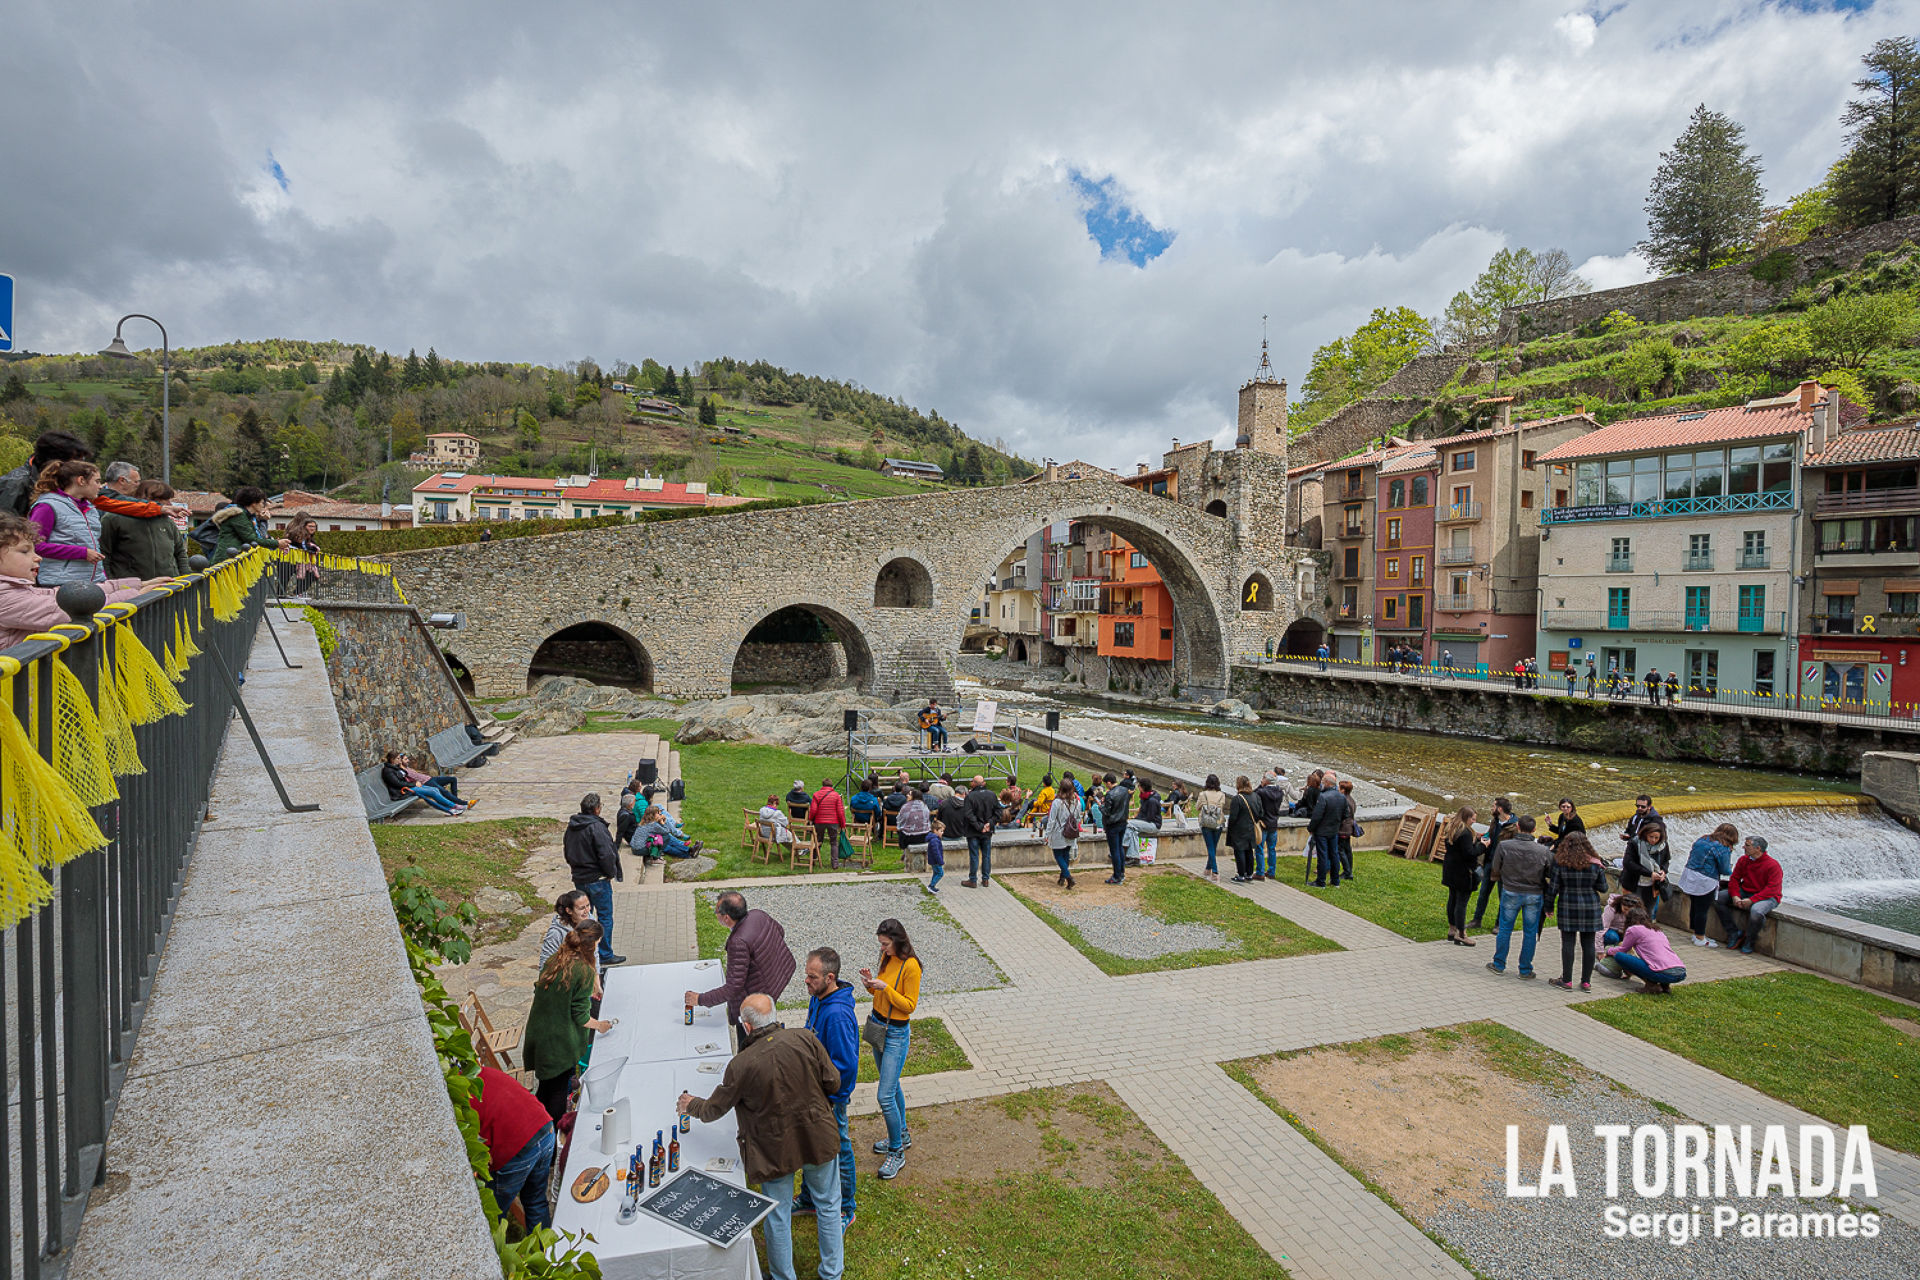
(1453,604)
(95,701)
(1460,513)
(1755,559)
(1727,621)
(1655,508)
(1829,504)
(1620,564)
(1453,555)
(1699,561)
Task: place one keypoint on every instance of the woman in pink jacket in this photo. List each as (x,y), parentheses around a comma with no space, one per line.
(26,608)
(1644,954)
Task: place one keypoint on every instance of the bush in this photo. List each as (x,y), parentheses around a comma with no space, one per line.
(1845,329)
(1618,321)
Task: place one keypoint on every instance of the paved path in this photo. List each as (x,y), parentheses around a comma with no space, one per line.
(1155,1037)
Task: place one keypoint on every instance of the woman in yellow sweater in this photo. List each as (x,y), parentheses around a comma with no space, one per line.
(895,991)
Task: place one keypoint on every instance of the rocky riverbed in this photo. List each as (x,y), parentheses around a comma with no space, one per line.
(1201,754)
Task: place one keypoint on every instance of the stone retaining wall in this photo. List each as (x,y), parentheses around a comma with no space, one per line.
(391,687)
(789,663)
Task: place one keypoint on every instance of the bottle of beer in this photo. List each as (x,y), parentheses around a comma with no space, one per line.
(656,1166)
(673,1153)
(686,1122)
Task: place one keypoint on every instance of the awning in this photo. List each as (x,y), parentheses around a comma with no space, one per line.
(1840,588)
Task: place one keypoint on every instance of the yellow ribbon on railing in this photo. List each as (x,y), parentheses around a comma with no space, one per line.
(143,686)
(41,815)
(79,743)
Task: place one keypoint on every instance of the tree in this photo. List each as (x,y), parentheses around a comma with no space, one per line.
(412,374)
(722,481)
(1846,328)
(1348,368)
(1513,278)
(437,372)
(1773,349)
(709,416)
(310,374)
(1551,275)
(974,468)
(1879,176)
(254,453)
(1467,322)
(1705,199)
(526,430)
(14,390)
(870,458)
(1808,214)
(668,385)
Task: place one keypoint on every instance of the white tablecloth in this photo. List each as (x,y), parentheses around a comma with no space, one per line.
(649,1000)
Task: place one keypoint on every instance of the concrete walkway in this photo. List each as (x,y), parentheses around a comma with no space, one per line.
(1155,1037)
(284,1110)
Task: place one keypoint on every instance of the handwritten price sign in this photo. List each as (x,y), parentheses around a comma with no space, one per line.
(715,1211)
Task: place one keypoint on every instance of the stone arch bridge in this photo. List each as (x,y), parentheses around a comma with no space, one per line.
(893,580)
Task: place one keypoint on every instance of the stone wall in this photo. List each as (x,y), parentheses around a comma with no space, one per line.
(1420,376)
(390,686)
(1723,291)
(603,661)
(1717,735)
(1354,427)
(789,663)
(690,591)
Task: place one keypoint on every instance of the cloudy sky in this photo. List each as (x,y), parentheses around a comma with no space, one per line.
(1055,223)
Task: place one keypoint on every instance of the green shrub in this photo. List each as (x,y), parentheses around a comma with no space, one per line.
(1775,268)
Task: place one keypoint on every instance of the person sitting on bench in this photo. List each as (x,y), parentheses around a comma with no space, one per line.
(445,783)
(660,835)
(399,785)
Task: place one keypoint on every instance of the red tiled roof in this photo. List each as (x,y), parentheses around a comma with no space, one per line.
(1680,430)
(1410,460)
(1898,443)
(200,500)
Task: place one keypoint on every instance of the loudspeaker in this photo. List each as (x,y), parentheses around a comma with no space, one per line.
(850,719)
(1053,722)
(970,746)
(646,771)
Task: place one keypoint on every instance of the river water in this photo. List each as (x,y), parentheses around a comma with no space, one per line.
(1864,867)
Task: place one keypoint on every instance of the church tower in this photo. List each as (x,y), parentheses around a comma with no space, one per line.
(1263,410)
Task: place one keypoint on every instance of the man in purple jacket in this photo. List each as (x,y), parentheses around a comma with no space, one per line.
(758,962)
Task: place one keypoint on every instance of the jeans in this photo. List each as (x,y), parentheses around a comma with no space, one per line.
(1346,856)
(600,894)
(1486,888)
(1326,852)
(447,783)
(1526,908)
(1266,854)
(1634,965)
(980,857)
(1756,915)
(1116,849)
(847,1169)
(1063,856)
(524,1178)
(823,1184)
(1212,836)
(939,871)
(937,738)
(435,797)
(1130,837)
(893,1103)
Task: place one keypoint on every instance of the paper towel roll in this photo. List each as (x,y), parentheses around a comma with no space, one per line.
(613,1123)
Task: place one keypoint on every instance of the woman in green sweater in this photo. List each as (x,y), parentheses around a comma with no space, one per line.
(560,1024)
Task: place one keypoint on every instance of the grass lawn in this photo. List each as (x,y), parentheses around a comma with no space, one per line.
(1055,1182)
(461,857)
(1822,1046)
(932,1049)
(1395,893)
(1178,898)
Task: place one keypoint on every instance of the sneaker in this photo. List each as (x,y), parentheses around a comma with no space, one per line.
(846,1223)
(1565,984)
(1736,940)
(1319,884)
(1586,986)
(1529,976)
(1711,945)
(1113,880)
(890,1167)
(881,1148)
(610,961)
(1746,949)
(1492,967)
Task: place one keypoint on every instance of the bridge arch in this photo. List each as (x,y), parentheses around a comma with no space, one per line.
(903,583)
(801,641)
(1201,655)
(593,650)
(1256,594)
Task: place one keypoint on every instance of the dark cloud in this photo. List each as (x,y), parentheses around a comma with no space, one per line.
(884,195)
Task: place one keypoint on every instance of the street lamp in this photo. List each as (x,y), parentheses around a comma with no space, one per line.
(118,350)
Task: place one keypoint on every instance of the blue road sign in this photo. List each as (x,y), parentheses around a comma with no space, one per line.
(6,313)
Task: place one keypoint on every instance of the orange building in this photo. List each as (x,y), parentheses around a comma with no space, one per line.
(1136,610)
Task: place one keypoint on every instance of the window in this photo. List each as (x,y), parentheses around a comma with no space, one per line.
(1460,581)
(1753,608)
(1703,672)
(1620,556)
(1123,635)
(1166,633)
(1903,604)
(1619,659)
(1699,608)
(1349,602)
(1886,533)
(1393,532)
(1396,493)
(1416,606)
(1462,494)
(1589,485)
(1463,460)
(1353,520)
(1699,551)
(1559,497)
(1139,561)
(1619,606)
(1776,467)
(1393,568)
(1763,671)
(1419,569)
(1527,457)
(1390,608)
(1419,491)
(1526,499)
(1350,563)
(1753,549)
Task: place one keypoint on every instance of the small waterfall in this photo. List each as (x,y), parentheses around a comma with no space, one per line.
(1831,859)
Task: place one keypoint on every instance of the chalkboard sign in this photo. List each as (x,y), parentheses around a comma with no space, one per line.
(717,1212)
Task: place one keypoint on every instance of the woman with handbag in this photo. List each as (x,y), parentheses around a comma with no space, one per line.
(1213,820)
(1060,828)
(1575,882)
(1349,828)
(889,1032)
(1460,854)
(1243,829)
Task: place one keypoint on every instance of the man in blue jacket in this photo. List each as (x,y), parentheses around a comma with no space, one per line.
(830,1016)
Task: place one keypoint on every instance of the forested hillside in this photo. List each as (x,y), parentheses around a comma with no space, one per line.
(321,415)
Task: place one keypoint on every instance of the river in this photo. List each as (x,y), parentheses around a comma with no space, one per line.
(1878,881)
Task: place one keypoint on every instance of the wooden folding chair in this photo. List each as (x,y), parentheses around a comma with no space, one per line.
(806,843)
(493,1044)
(749,828)
(860,840)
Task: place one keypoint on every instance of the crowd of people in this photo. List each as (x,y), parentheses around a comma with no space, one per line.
(788,1088)
(1560,874)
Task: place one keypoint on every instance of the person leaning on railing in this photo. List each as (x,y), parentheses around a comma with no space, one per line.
(26,608)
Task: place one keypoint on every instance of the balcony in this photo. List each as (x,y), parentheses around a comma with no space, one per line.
(1862,501)
(1454,604)
(1833,624)
(1719,622)
(1454,555)
(1620,564)
(1699,562)
(1349,575)
(1460,513)
(1755,559)
(1353,531)
(1662,508)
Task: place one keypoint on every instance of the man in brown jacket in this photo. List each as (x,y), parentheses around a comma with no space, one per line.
(758,961)
(778,1088)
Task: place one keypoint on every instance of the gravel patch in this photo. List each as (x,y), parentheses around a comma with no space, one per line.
(1138,936)
(1555,1237)
(843,916)
(1201,754)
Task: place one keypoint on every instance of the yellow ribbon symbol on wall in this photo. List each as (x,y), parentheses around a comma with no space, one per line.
(1253,591)
(1866,625)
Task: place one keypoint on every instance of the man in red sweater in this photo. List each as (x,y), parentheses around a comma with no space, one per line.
(1755,888)
(519,1137)
(828,814)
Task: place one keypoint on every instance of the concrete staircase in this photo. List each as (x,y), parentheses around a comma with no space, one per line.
(915,674)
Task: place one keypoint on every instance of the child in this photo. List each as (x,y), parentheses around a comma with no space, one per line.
(25,608)
(936,855)
(63,512)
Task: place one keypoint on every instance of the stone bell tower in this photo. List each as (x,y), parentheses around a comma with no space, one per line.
(1263,411)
